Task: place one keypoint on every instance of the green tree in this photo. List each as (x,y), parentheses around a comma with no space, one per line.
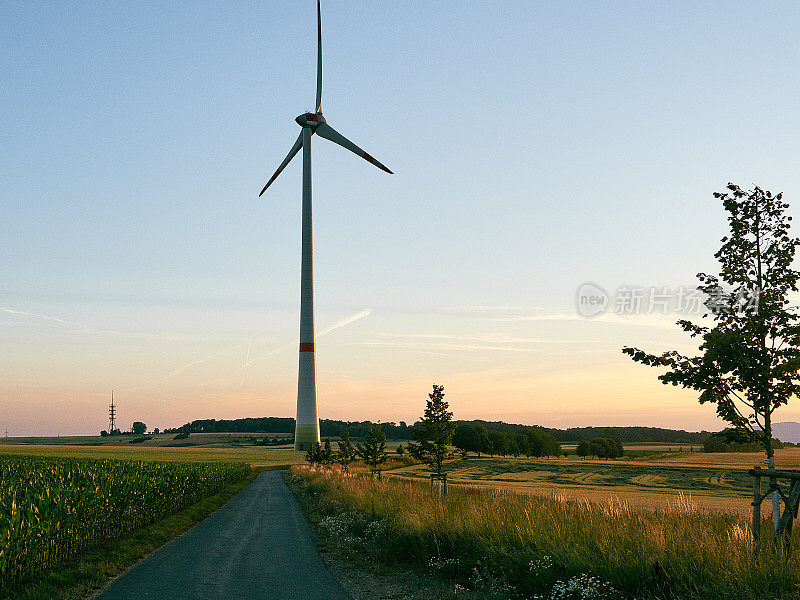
(312,454)
(597,447)
(498,443)
(750,356)
(373,450)
(436,431)
(464,438)
(326,453)
(400,450)
(749,359)
(481,440)
(523,444)
(606,447)
(347,452)
(583,449)
(512,446)
(535,442)
(619,451)
(138,427)
(551,446)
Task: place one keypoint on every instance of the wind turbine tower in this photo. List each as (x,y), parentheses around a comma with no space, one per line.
(307,424)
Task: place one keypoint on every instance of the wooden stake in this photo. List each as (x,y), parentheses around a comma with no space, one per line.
(756,508)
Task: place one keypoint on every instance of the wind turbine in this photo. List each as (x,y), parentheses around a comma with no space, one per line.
(307,423)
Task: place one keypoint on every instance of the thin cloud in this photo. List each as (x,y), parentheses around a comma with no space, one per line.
(481,308)
(517,314)
(489,339)
(634,320)
(440,346)
(91,329)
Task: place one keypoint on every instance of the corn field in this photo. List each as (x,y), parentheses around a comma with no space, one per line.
(52,508)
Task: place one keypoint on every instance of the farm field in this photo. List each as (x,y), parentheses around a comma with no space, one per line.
(689,481)
(216,440)
(652,480)
(256,456)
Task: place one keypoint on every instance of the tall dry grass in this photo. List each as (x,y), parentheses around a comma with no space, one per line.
(676,552)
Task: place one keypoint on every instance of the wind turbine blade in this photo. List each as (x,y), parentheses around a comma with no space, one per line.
(319,59)
(295,149)
(329,133)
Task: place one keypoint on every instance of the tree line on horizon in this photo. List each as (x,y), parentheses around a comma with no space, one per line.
(403,431)
(529,441)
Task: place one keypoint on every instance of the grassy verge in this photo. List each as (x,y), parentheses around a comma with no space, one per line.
(505,545)
(83,575)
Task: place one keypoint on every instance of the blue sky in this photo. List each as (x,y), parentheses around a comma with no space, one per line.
(536,146)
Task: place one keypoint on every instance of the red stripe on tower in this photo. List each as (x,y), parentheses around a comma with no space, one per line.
(306,346)
(367,157)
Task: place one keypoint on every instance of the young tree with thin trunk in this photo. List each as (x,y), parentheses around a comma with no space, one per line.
(312,454)
(326,454)
(373,450)
(347,452)
(436,431)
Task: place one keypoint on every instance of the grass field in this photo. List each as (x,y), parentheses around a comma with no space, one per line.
(717,482)
(505,545)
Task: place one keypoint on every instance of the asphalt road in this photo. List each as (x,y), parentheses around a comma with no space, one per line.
(256,546)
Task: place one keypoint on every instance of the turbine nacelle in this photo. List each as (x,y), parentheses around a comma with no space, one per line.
(318,125)
(310,119)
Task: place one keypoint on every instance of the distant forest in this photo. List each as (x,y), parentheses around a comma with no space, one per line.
(623,434)
(403,431)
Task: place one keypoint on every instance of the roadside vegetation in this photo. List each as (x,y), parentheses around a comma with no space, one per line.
(53,509)
(506,545)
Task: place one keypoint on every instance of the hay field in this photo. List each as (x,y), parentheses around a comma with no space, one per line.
(693,481)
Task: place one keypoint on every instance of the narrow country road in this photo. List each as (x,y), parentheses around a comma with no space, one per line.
(256,546)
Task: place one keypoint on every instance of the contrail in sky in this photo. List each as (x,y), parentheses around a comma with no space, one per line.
(347,321)
(197,362)
(246,362)
(29,314)
(247,358)
(352,319)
